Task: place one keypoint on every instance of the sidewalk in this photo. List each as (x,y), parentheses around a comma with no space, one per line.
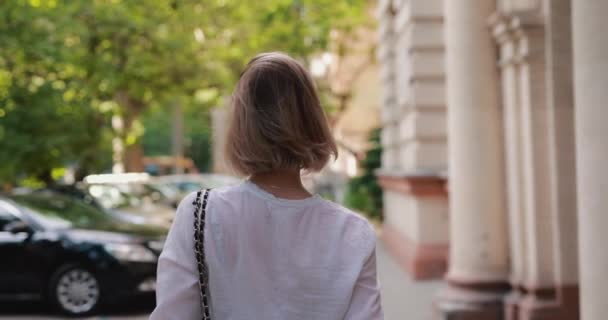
(402,298)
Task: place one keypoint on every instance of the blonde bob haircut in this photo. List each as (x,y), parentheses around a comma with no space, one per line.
(276,119)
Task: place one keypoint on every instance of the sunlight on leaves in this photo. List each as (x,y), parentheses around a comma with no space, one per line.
(206,95)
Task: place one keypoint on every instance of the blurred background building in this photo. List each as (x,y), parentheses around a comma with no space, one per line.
(414,159)
(497,80)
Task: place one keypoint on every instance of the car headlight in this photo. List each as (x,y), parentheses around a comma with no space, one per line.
(130,252)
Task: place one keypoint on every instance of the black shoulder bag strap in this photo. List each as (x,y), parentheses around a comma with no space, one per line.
(200,210)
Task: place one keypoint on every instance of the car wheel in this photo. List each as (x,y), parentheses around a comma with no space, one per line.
(75,290)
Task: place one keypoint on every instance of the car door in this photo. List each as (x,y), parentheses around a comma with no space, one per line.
(18,278)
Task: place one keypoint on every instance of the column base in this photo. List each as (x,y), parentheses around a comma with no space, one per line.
(471,302)
(511,303)
(546,304)
(420,261)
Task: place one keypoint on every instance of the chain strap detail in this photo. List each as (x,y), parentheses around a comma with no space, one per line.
(200,211)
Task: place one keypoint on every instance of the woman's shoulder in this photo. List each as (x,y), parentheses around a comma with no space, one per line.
(189,201)
(184,216)
(227,192)
(356,226)
(349,215)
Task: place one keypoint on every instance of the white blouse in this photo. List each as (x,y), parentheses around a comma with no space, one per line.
(270,258)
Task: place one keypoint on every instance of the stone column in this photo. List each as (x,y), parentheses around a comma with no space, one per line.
(538,282)
(591,113)
(535,61)
(563,155)
(509,60)
(479,262)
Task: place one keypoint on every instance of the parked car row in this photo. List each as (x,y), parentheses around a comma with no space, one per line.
(79,246)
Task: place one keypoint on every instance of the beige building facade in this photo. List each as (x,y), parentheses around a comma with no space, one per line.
(411,52)
(494,134)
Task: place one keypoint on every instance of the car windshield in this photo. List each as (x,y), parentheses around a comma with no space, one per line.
(111,197)
(58,212)
(187,184)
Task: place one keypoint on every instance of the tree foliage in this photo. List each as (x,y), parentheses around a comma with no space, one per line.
(363,193)
(67,67)
(45,121)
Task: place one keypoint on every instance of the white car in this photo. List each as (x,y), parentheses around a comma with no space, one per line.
(133,197)
(183,184)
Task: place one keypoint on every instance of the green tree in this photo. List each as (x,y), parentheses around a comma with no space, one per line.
(234,31)
(156,140)
(363,193)
(68,67)
(45,115)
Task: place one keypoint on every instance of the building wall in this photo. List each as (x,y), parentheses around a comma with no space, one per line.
(533,59)
(411,54)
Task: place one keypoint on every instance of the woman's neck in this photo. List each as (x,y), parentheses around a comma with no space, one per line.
(284,183)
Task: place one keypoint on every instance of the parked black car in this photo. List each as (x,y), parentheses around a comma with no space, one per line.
(71,254)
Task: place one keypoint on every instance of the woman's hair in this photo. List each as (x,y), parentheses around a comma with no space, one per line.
(277,121)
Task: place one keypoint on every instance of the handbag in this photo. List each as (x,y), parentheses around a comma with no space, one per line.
(200,210)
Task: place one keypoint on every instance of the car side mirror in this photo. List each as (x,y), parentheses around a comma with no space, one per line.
(18,227)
